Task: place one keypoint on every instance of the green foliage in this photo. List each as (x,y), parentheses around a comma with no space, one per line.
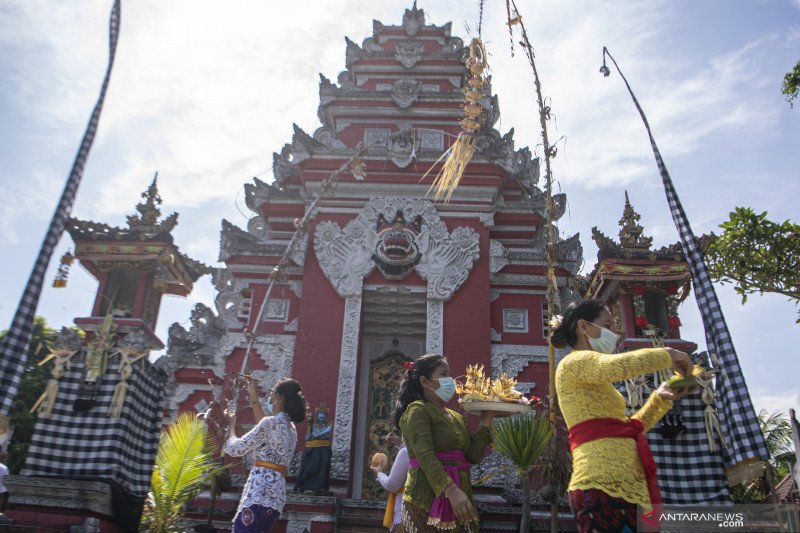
(791,84)
(521,440)
(184,463)
(777,431)
(757,255)
(32,384)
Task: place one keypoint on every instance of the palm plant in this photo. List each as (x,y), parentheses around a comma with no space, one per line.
(184,463)
(777,433)
(521,440)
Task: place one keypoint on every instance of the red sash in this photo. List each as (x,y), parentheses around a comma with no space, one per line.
(604,428)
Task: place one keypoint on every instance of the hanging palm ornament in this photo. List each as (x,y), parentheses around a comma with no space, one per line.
(63,270)
(460,153)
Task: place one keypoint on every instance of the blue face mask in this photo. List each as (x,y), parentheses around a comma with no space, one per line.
(270,407)
(447,388)
(606,342)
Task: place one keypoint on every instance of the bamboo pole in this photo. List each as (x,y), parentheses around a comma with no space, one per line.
(551,279)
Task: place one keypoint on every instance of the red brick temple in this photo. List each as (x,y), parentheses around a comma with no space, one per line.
(386,275)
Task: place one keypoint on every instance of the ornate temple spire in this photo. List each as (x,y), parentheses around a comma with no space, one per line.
(149,213)
(630,233)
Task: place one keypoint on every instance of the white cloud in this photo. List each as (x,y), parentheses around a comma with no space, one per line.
(771,402)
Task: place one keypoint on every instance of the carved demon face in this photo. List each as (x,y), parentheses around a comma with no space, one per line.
(396,250)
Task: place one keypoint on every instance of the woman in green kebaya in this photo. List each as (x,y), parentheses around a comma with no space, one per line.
(438,492)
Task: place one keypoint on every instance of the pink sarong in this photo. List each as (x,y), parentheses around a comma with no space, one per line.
(441,514)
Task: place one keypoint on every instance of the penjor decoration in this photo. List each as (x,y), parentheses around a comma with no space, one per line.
(460,153)
(96,362)
(130,349)
(66,345)
(14,346)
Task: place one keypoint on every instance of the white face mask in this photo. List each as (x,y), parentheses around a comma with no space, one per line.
(606,343)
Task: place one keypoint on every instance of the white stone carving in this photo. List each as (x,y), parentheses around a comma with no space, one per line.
(498,256)
(258,227)
(431,140)
(434,337)
(277,310)
(277,353)
(515,320)
(494,336)
(408,53)
(376,135)
(291,326)
(346,255)
(405,91)
(513,358)
(487,219)
(345,394)
(447,260)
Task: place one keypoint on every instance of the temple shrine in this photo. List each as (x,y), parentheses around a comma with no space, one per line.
(381,275)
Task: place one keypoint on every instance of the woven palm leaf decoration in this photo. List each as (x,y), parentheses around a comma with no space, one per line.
(460,153)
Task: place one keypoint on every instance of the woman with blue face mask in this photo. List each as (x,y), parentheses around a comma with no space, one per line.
(438,493)
(613,470)
(273,440)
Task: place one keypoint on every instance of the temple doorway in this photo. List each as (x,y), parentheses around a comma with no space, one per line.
(393,332)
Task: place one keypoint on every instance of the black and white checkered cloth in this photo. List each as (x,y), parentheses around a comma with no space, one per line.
(93,444)
(688,472)
(14,347)
(737,415)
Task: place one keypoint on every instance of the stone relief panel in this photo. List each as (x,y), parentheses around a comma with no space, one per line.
(498,256)
(408,53)
(347,255)
(405,91)
(345,394)
(434,338)
(515,320)
(277,310)
(513,358)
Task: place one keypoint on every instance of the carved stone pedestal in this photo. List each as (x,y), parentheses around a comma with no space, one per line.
(59,504)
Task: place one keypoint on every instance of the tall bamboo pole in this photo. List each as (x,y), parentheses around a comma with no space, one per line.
(551,278)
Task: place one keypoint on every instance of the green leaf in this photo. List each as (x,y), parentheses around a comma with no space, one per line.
(184,463)
(522,439)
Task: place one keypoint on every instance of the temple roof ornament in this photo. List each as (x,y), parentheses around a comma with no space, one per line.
(630,233)
(146,243)
(632,244)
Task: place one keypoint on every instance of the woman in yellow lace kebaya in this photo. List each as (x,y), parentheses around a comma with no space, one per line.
(613,469)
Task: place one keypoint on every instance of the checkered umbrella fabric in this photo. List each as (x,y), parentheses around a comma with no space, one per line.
(14,347)
(737,415)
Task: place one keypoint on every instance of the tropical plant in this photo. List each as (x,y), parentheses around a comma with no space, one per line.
(521,440)
(777,431)
(757,255)
(184,463)
(791,84)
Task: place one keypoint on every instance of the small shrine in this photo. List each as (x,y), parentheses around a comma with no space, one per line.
(99,419)
(643,287)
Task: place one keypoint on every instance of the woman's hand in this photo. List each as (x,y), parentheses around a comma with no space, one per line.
(681,362)
(376,470)
(666,393)
(229,415)
(462,507)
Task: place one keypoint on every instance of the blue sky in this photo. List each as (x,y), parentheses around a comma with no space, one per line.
(204,94)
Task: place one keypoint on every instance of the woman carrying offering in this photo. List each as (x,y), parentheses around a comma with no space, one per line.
(613,468)
(438,493)
(273,439)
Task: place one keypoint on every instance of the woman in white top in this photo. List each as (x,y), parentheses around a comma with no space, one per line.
(273,439)
(394,482)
